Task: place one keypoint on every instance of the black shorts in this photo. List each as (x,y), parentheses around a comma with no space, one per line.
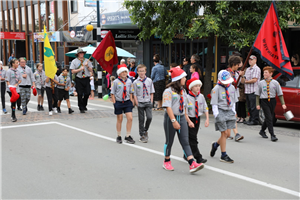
(121,107)
(63,94)
(40,91)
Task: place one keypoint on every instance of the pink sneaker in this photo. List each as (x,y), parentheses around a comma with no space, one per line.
(168,166)
(196,167)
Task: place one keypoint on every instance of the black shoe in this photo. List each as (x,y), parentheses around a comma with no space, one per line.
(245,122)
(226,159)
(250,123)
(263,134)
(82,111)
(58,110)
(38,107)
(85,109)
(19,109)
(129,140)
(202,160)
(71,111)
(42,108)
(273,138)
(119,140)
(213,150)
(14,119)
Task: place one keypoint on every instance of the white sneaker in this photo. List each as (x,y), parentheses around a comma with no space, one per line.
(50,113)
(55,110)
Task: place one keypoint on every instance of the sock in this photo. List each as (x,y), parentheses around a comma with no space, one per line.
(119,133)
(13,109)
(127,134)
(224,154)
(216,145)
(167,160)
(191,161)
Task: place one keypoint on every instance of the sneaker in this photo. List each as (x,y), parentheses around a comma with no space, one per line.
(24,111)
(263,134)
(238,137)
(226,159)
(143,139)
(54,110)
(4,111)
(19,109)
(42,108)
(119,140)
(167,166)
(194,167)
(202,160)
(230,138)
(82,111)
(273,138)
(129,140)
(58,110)
(38,107)
(213,150)
(71,111)
(14,119)
(146,135)
(85,109)
(50,113)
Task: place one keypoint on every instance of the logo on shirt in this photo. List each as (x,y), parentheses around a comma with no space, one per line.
(223,95)
(264,88)
(190,106)
(138,85)
(167,97)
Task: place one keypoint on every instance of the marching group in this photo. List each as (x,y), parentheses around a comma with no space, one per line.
(180,98)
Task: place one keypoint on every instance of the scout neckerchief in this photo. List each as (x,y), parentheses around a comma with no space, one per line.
(23,70)
(181,102)
(232,74)
(196,104)
(145,91)
(268,88)
(124,88)
(52,86)
(16,75)
(65,79)
(41,78)
(83,74)
(227,92)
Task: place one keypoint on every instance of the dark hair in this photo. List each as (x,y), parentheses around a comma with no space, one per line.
(197,69)
(156,58)
(176,86)
(196,57)
(234,60)
(13,61)
(173,65)
(65,68)
(187,59)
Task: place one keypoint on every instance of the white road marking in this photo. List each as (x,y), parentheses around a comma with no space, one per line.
(221,171)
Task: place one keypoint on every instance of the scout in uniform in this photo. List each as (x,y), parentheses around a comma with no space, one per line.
(63,90)
(265,96)
(122,97)
(143,97)
(40,78)
(13,79)
(82,68)
(223,99)
(175,101)
(3,87)
(196,107)
(52,93)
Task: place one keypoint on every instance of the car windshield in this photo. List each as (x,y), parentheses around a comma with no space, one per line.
(286,82)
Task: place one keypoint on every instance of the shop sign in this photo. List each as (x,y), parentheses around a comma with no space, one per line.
(122,34)
(72,34)
(12,35)
(76,44)
(81,34)
(121,17)
(53,36)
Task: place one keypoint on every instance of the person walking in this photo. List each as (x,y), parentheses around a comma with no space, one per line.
(3,87)
(40,79)
(82,68)
(27,79)
(52,93)
(158,75)
(175,102)
(251,80)
(63,90)
(265,99)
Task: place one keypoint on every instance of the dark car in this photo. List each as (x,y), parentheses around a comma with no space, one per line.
(291,94)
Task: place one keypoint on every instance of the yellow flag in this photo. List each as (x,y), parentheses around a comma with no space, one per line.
(49,61)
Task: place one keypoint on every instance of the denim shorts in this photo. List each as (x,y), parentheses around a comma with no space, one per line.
(225,120)
(121,107)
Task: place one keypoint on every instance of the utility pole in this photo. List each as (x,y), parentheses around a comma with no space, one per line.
(99,68)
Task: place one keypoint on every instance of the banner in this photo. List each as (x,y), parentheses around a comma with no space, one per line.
(49,61)
(52,36)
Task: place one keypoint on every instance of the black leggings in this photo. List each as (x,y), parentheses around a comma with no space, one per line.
(3,94)
(183,135)
(51,96)
(12,105)
(193,139)
(268,108)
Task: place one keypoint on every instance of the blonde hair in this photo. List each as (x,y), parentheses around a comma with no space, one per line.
(112,78)
(141,66)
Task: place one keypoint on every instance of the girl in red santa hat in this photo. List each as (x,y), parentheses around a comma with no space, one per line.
(175,101)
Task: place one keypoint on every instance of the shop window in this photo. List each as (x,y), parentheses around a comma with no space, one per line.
(74,8)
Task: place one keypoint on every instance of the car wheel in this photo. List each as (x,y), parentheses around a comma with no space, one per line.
(261,116)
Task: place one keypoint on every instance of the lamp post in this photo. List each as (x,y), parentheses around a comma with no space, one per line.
(99,68)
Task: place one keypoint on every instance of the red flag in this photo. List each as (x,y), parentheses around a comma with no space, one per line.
(271,46)
(106,53)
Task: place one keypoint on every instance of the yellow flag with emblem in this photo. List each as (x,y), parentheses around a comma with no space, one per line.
(49,60)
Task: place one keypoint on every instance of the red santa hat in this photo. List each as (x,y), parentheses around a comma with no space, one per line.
(132,74)
(122,68)
(14,95)
(177,74)
(192,82)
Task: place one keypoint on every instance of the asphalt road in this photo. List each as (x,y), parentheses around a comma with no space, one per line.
(76,157)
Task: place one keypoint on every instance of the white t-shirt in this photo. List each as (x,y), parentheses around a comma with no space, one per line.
(92,81)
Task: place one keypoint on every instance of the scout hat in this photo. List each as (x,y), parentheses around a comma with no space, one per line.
(177,74)
(122,68)
(225,77)
(192,82)
(80,50)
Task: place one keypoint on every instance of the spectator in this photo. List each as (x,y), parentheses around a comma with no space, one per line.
(132,67)
(295,60)
(195,60)
(92,87)
(251,80)
(122,61)
(195,72)
(128,63)
(72,90)
(158,75)
(186,67)
(3,87)
(12,56)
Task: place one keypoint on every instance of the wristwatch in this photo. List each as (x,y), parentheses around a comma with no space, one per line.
(173,120)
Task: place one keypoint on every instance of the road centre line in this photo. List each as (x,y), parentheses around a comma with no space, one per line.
(238,176)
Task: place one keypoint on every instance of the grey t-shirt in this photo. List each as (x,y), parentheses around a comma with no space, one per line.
(138,89)
(40,78)
(49,83)
(13,78)
(117,89)
(75,65)
(62,80)
(274,88)
(172,99)
(2,74)
(202,105)
(218,97)
(29,79)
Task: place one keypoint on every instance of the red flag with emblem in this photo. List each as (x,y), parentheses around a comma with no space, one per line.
(106,53)
(271,46)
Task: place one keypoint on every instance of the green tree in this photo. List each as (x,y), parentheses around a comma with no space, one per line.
(235,22)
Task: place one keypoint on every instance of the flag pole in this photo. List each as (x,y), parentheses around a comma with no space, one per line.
(245,63)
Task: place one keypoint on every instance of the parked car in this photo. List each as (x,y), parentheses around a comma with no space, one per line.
(291,94)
